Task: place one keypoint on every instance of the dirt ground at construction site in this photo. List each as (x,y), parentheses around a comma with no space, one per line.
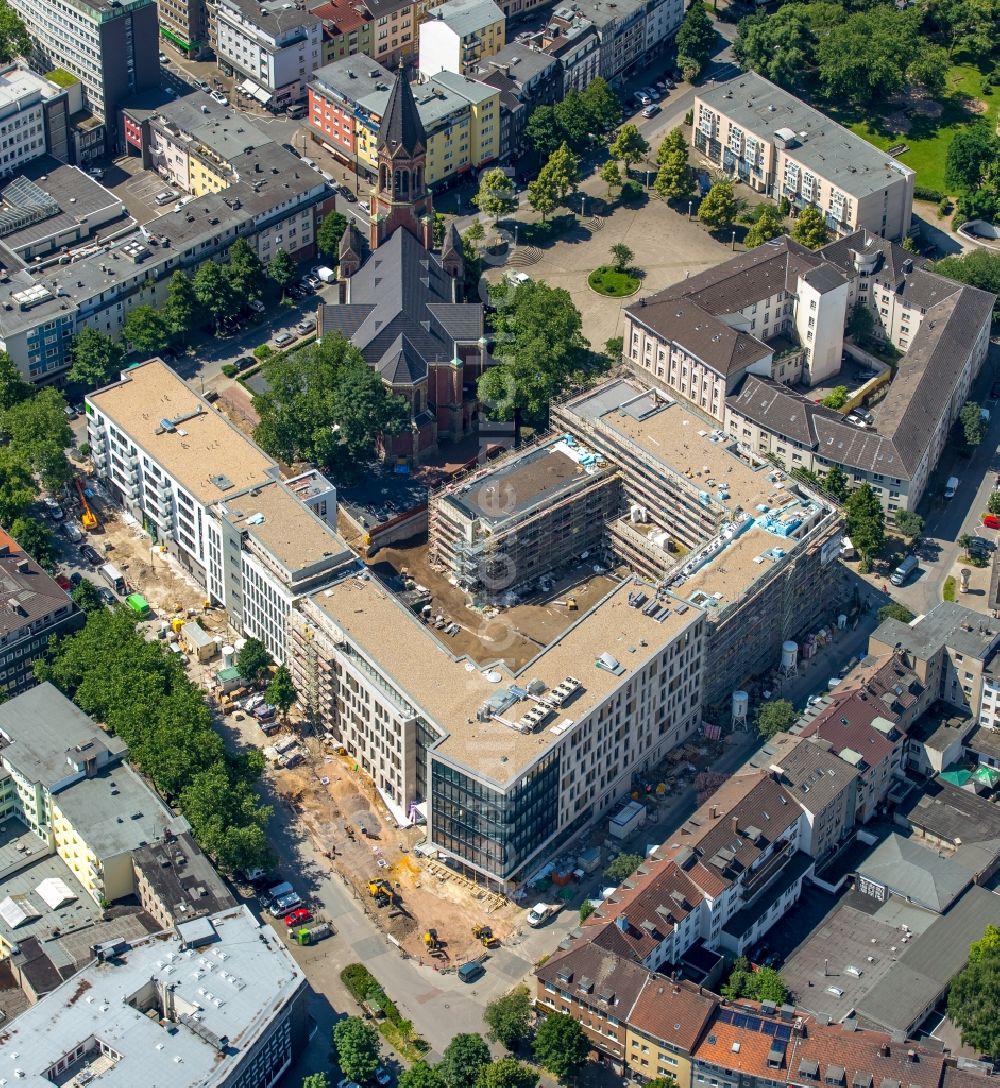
(338,807)
(514,635)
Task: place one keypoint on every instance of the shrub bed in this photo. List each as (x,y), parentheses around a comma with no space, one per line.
(612,282)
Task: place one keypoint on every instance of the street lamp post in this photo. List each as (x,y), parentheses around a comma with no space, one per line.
(516,225)
(583,205)
(734,241)
(690,206)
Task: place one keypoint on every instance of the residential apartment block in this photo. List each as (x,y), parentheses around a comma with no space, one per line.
(275,204)
(460,118)
(274,46)
(111,46)
(506,763)
(348,30)
(188,25)
(34,119)
(213,499)
(65,779)
(169,1008)
(716,525)
(781,147)
(460,36)
(526,79)
(36,609)
(175,882)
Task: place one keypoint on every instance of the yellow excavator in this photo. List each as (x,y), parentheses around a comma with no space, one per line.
(485,934)
(380,890)
(431,941)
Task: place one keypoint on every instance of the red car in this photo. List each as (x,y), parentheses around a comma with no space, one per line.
(298,917)
(63,582)
(991,521)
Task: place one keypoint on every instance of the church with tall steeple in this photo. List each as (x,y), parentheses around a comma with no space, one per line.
(401,199)
(401,303)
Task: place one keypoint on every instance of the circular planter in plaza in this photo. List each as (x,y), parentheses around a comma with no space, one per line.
(613,282)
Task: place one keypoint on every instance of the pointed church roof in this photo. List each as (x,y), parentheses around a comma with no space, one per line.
(350,242)
(452,240)
(401,127)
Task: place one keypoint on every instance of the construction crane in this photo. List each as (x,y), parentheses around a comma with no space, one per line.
(88,519)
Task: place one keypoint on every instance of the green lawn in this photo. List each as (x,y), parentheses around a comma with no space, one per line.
(929,138)
(610,281)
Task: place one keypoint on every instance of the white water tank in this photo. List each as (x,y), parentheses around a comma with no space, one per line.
(789,654)
(741,706)
(228,657)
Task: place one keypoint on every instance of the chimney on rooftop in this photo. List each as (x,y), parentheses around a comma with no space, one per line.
(736,825)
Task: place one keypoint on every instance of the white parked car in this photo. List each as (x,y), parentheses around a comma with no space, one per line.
(951,487)
(220,98)
(283,338)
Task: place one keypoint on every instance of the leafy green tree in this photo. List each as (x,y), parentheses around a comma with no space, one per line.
(326,405)
(214,291)
(674,141)
(476,233)
(630,146)
(13,387)
(181,307)
(835,483)
(508,1018)
(623,867)
(14,38)
(781,47)
(696,38)
(675,179)
(987,946)
(974,997)
(421,1075)
(543,194)
(611,176)
(561,1046)
(357,1048)
(865,521)
(507,1073)
(252,660)
(543,131)
(894,611)
(718,208)
(17,488)
(85,596)
(586,910)
(97,359)
(613,348)
(36,540)
(316,1080)
(810,228)
(496,195)
(564,169)
(573,119)
(463,1057)
(603,106)
(861,324)
(666,1081)
(909,523)
(146,329)
(38,433)
(993,503)
(836,398)
(980,268)
(330,232)
(972,150)
(775,716)
(764,984)
(281,692)
(622,256)
(539,346)
(766,226)
(246,272)
(281,269)
(973,425)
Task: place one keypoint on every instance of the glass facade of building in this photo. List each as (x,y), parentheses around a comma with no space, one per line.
(494,831)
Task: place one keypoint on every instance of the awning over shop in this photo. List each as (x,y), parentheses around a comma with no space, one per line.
(249,87)
(177,39)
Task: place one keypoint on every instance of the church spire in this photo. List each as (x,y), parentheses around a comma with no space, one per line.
(401,131)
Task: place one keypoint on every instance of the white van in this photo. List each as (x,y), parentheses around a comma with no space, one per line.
(951,487)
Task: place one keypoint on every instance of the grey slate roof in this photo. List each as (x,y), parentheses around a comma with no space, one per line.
(813,775)
(928,964)
(401,316)
(784,412)
(467,17)
(916,873)
(43,725)
(37,594)
(401,129)
(947,624)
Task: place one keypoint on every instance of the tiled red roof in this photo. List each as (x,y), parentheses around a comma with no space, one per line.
(673,1012)
(661,896)
(748,1050)
(863,1054)
(847,723)
(345,16)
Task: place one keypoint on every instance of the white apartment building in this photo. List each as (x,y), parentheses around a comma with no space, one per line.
(504,765)
(276,46)
(777,311)
(781,147)
(663,17)
(213,499)
(215,1002)
(460,35)
(24,118)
